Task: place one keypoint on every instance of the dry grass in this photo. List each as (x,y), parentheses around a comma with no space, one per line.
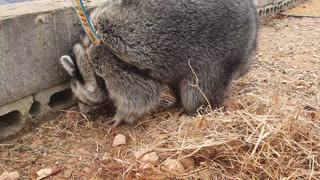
(268,127)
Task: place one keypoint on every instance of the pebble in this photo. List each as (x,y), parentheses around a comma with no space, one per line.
(86,169)
(26,148)
(174,165)
(119,140)
(145,166)
(9,175)
(188,163)
(147,156)
(44,150)
(43,173)
(67,174)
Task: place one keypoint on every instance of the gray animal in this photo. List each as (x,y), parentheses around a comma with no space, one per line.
(88,88)
(99,77)
(196,47)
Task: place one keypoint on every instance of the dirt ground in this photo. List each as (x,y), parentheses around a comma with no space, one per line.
(310,8)
(281,89)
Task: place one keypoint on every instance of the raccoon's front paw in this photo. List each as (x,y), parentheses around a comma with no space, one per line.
(167,104)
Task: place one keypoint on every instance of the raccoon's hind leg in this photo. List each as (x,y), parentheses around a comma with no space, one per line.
(119,117)
(175,90)
(122,116)
(207,91)
(249,57)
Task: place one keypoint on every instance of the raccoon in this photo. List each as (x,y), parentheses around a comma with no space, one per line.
(196,47)
(99,77)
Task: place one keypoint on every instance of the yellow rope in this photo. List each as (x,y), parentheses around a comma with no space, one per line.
(85,21)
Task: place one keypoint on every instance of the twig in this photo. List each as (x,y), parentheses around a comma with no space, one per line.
(197,85)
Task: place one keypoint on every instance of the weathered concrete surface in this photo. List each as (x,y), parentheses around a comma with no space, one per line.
(56,97)
(33,35)
(27,113)
(266,7)
(14,117)
(23,105)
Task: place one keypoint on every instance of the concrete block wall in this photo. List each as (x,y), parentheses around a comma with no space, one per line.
(26,113)
(265,7)
(33,36)
(33,85)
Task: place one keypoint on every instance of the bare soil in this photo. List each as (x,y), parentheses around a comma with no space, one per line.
(268,126)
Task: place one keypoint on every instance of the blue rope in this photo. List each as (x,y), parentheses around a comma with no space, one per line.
(88,19)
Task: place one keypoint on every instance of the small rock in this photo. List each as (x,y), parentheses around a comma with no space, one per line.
(105,157)
(26,148)
(67,174)
(145,166)
(147,156)
(9,176)
(100,170)
(151,158)
(44,150)
(141,153)
(174,165)
(5,154)
(119,140)
(303,83)
(188,163)
(86,169)
(138,175)
(43,173)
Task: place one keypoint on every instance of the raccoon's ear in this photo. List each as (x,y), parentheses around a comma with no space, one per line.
(68,65)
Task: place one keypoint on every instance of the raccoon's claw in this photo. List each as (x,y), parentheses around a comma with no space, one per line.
(166,104)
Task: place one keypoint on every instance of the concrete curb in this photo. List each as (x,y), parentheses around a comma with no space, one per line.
(266,7)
